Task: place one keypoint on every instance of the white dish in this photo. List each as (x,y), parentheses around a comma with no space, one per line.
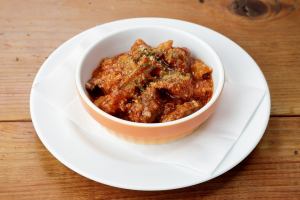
(120,41)
(106,165)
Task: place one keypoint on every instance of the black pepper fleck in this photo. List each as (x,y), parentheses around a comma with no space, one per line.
(17,59)
(295,152)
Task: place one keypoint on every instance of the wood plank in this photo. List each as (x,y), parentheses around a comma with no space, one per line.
(31,30)
(272,171)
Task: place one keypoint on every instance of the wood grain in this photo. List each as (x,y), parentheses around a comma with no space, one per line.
(272,171)
(31,30)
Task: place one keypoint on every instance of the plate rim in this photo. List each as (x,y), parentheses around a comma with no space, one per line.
(73,168)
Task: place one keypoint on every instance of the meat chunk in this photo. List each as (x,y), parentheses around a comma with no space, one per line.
(139,49)
(200,70)
(203,90)
(164,47)
(179,59)
(117,99)
(178,85)
(111,72)
(138,46)
(146,107)
(126,89)
(181,111)
(114,102)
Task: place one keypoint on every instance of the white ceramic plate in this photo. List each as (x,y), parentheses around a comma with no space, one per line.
(104,164)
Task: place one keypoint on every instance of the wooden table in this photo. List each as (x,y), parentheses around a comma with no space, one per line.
(30,30)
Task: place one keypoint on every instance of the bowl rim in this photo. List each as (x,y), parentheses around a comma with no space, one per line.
(86,99)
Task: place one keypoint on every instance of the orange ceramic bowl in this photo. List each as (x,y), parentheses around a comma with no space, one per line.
(120,41)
